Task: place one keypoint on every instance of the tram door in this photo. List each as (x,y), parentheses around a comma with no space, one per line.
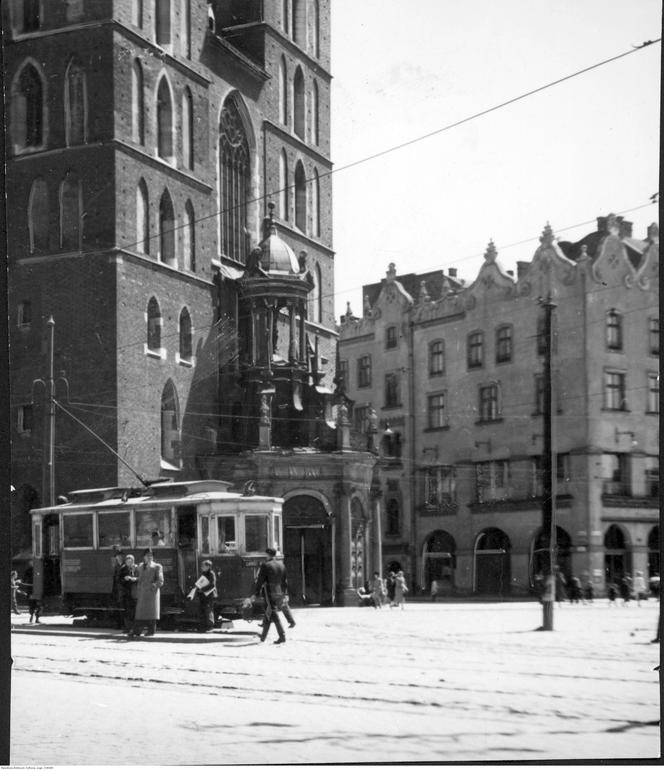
(51,552)
(187,567)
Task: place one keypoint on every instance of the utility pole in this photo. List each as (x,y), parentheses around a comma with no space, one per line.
(548,473)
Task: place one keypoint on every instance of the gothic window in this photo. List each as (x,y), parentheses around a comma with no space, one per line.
(314,21)
(286,16)
(137,13)
(163,22)
(170,428)
(299,22)
(475,350)
(166,229)
(189,238)
(283,92)
(185,335)
(614,331)
(28,118)
(299,120)
(70,213)
(75,105)
(164,121)
(137,103)
(300,198)
(27,15)
(503,344)
(436,358)
(187,130)
(283,186)
(315,204)
(233,181)
(38,216)
(315,114)
(186,29)
(142,219)
(154,326)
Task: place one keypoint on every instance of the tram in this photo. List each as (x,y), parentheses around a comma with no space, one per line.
(184,522)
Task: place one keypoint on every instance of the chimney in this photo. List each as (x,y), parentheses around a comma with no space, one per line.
(452,272)
(625,229)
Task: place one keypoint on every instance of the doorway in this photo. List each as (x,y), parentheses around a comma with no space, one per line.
(308,551)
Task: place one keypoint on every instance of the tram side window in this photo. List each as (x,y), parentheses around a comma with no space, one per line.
(153,529)
(77,530)
(255,533)
(226,534)
(277,533)
(113,529)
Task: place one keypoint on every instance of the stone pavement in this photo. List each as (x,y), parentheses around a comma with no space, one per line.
(436,682)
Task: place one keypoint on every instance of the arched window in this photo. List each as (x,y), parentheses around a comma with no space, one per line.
(137,103)
(70,213)
(154,326)
(163,22)
(299,22)
(233,182)
(137,13)
(164,121)
(283,92)
(185,335)
(38,216)
(614,336)
(76,105)
(28,102)
(315,115)
(187,130)
(314,22)
(189,238)
(300,197)
(142,218)
(284,191)
(298,104)
(170,428)
(315,204)
(166,229)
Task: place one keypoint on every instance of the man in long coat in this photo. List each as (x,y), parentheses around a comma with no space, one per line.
(272,584)
(150,580)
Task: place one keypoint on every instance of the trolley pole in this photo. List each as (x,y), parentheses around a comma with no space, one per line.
(548,473)
(48,383)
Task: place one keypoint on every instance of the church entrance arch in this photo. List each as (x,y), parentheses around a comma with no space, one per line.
(308,550)
(492,562)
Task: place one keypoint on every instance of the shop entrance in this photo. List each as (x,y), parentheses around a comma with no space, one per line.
(492,562)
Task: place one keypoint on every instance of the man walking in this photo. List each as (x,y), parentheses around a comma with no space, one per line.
(272,584)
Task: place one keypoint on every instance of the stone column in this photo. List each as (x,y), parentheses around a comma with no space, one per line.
(292,343)
(377,549)
(347,593)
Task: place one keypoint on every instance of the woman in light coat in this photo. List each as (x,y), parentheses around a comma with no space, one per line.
(400,589)
(150,580)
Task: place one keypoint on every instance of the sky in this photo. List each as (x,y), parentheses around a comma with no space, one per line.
(580,149)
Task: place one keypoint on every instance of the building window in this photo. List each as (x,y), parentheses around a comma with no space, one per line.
(283,92)
(364,372)
(315,204)
(492,480)
(475,350)
(187,130)
(300,198)
(283,186)
(563,466)
(234,182)
(28,118)
(24,422)
(653,336)
(186,29)
(391,337)
(170,428)
(185,336)
(154,326)
(137,13)
(439,485)
(315,114)
(299,122)
(393,518)
(361,418)
(166,230)
(137,104)
(436,414)
(392,390)
(70,214)
(503,344)
(652,478)
(536,477)
(436,358)
(163,22)
(189,238)
(299,22)
(614,391)
(539,394)
(27,15)
(75,105)
(614,330)
(24,314)
(391,444)
(38,216)
(489,406)
(142,219)
(315,28)
(653,393)
(164,121)
(616,474)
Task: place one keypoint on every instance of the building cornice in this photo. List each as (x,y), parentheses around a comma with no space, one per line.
(297,143)
(242,59)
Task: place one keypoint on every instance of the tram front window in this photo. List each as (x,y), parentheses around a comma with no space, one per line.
(153,528)
(77,530)
(113,529)
(226,534)
(255,533)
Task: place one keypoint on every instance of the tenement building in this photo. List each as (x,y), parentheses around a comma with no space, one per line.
(455,374)
(171,264)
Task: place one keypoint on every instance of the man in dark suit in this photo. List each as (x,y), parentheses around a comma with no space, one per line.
(272,585)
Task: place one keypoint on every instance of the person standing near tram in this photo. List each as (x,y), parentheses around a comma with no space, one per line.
(206,591)
(150,580)
(127,579)
(272,584)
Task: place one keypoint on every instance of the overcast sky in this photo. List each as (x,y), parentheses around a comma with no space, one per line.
(566,155)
